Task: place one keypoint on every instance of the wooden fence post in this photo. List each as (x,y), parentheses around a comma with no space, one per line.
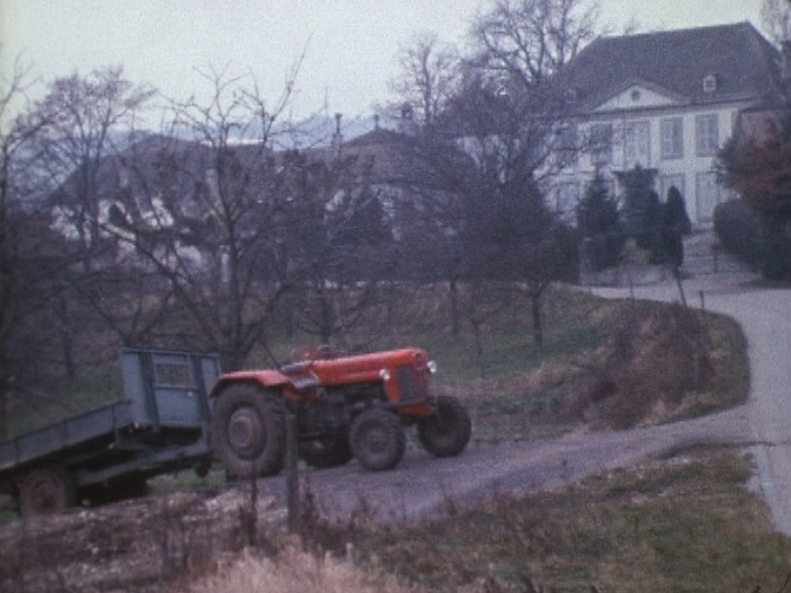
(292,475)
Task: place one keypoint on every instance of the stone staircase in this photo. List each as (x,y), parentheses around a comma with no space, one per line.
(703,259)
(703,256)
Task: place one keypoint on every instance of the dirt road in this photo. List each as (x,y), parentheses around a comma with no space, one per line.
(422,486)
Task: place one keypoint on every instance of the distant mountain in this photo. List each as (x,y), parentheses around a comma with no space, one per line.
(318,131)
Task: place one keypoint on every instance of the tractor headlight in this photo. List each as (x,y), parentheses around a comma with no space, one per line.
(384,374)
(432,367)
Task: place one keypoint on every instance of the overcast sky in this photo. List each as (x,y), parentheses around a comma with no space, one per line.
(349,46)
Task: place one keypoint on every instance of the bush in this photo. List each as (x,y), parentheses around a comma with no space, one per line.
(775,245)
(641,205)
(760,239)
(738,229)
(673,224)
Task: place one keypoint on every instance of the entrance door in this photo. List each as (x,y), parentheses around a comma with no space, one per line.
(707,196)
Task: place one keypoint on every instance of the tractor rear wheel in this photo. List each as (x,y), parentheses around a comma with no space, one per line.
(446,432)
(248,431)
(377,439)
(46,492)
(326,452)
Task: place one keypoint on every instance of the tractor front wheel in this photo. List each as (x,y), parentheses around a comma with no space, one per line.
(377,438)
(248,431)
(446,432)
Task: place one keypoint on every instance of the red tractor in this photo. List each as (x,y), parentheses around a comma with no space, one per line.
(345,407)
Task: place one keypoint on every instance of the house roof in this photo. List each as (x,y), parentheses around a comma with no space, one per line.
(387,151)
(376,137)
(743,63)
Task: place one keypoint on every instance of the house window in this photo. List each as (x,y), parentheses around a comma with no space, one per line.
(707,134)
(710,83)
(568,146)
(672,138)
(637,144)
(601,144)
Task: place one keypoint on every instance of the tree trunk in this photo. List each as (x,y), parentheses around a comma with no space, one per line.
(479,353)
(535,307)
(454,307)
(3,409)
(66,338)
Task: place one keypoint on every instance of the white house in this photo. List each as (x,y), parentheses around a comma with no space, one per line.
(664,101)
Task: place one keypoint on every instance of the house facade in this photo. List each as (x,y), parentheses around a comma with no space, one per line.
(665,102)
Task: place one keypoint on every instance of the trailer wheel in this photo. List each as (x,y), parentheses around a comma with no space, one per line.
(446,432)
(326,452)
(377,439)
(248,432)
(45,492)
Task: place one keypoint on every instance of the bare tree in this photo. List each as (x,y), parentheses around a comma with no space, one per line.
(517,121)
(87,118)
(480,179)
(497,145)
(238,207)
(340,240)
(29,260)
(531,40)
(776,17)
(10,138)
(428,78)
(509,233)
(206,208)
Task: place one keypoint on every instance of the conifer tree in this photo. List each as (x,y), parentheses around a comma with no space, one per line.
(599,224)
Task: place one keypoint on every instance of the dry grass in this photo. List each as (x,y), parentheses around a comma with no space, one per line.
(296,571)
(653,363)
(652,359)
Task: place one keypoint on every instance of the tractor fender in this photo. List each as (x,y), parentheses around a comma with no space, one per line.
(268,378)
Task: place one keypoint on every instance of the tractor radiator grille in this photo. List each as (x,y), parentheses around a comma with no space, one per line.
(410,384)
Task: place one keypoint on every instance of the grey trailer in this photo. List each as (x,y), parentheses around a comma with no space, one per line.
(160,425)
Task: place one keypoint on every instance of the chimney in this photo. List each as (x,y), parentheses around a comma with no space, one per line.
(337,137)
